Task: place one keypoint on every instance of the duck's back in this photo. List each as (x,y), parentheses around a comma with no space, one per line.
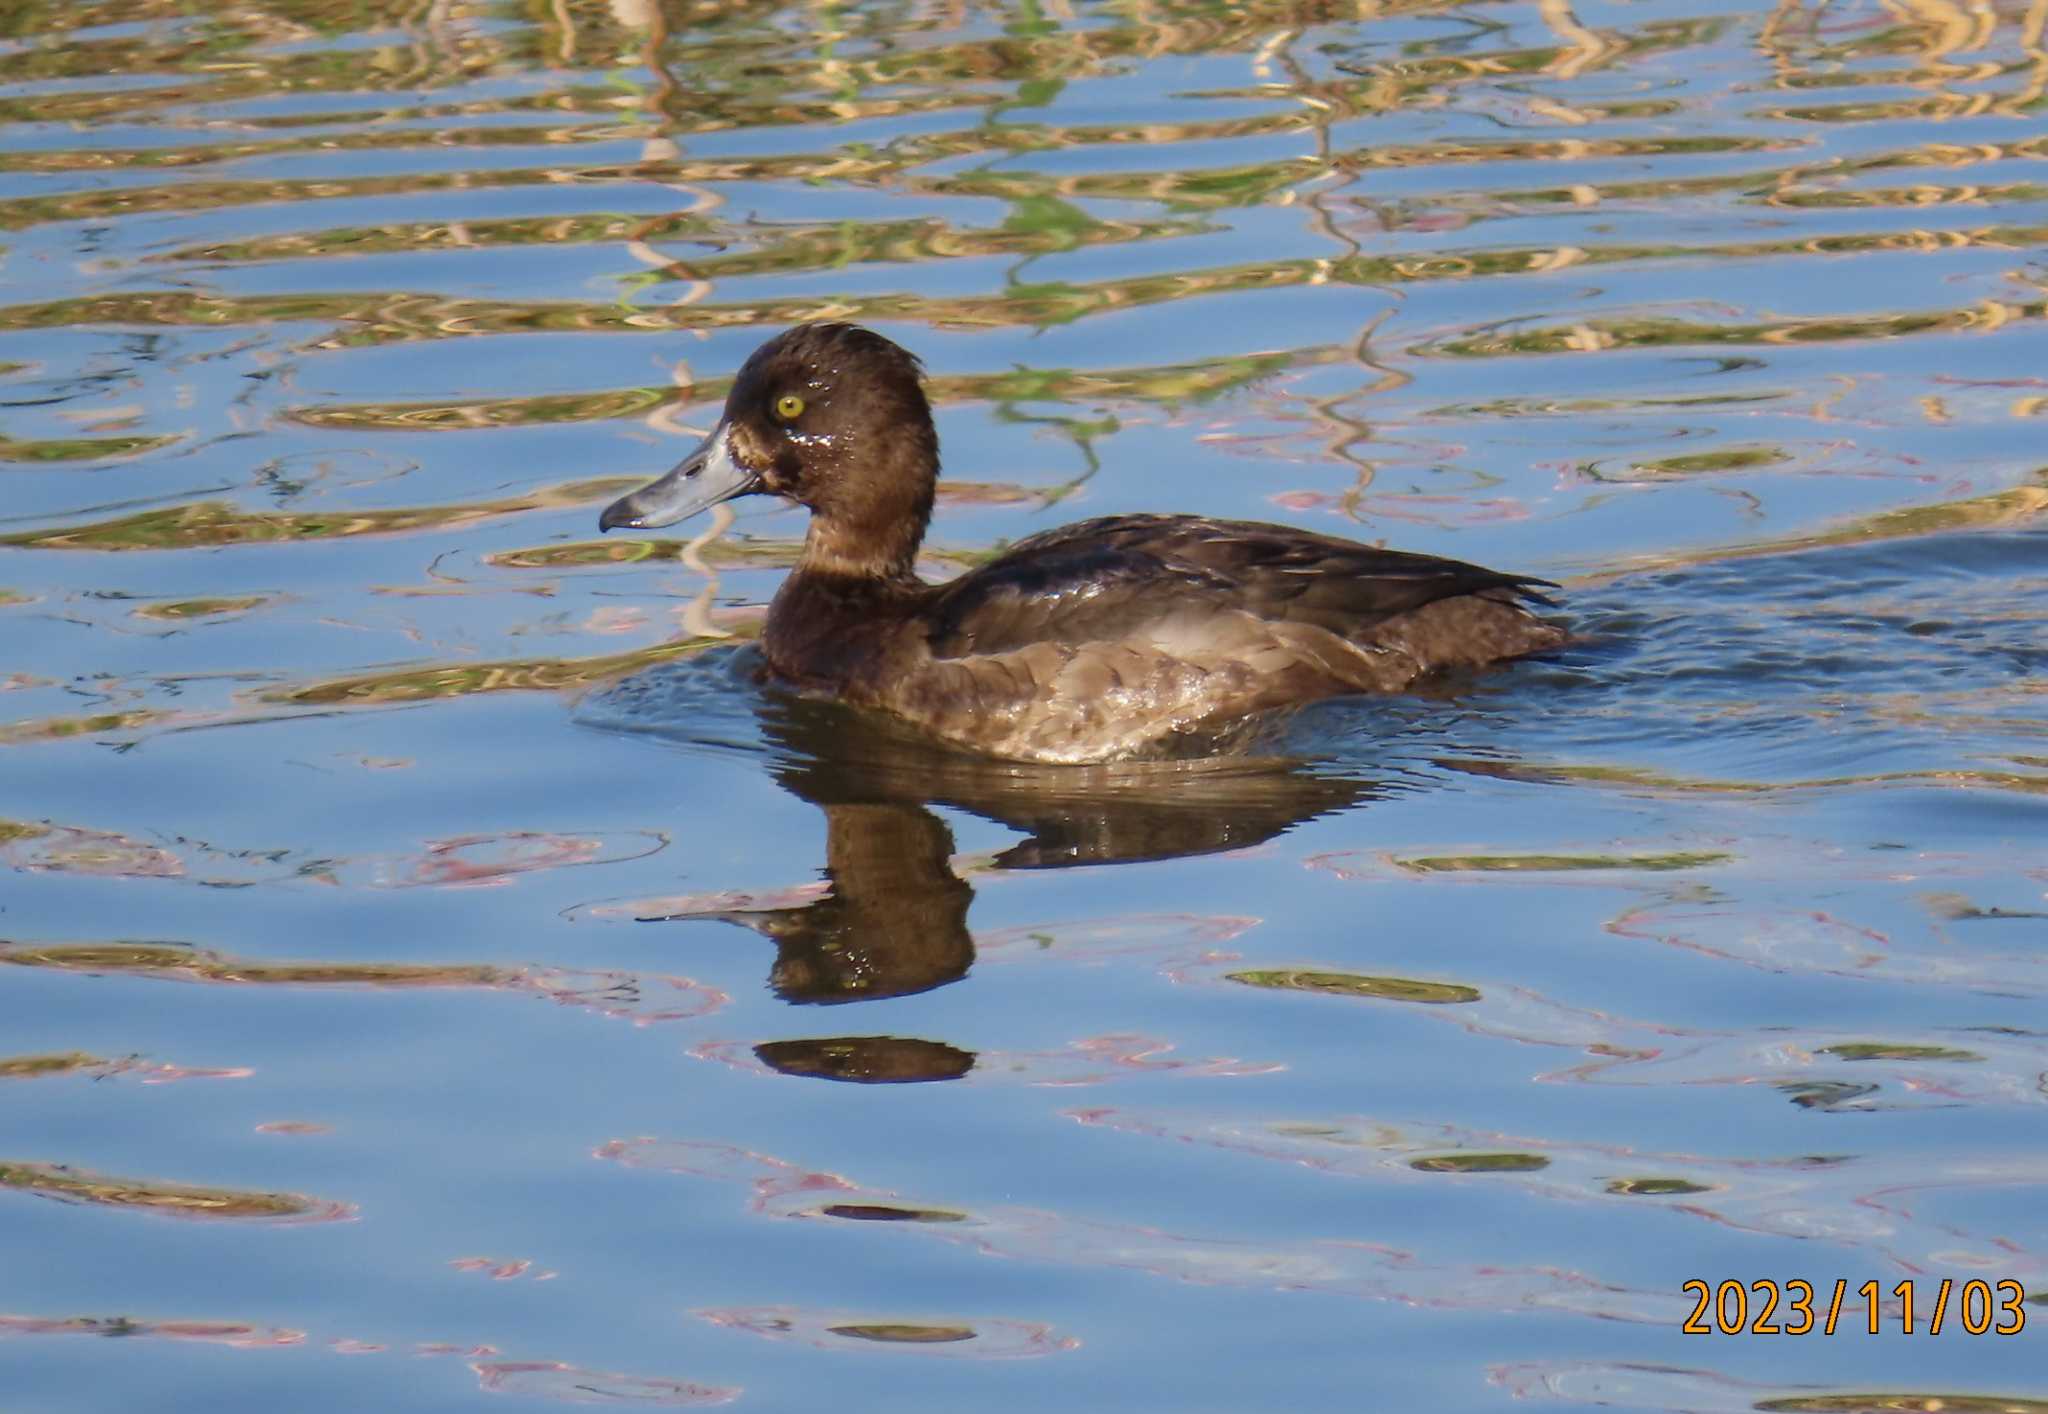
(1114,636)
(1110,578)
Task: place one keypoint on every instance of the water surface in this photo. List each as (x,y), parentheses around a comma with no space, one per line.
(444,974)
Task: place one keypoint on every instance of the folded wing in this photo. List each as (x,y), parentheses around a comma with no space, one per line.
(1134,579)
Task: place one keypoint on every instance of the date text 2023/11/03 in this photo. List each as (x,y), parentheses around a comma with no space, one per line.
(1975,1306)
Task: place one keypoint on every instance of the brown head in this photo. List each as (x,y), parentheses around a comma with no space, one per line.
(828,415)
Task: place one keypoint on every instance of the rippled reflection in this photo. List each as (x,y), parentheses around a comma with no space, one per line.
(1423,1056)
(891,919)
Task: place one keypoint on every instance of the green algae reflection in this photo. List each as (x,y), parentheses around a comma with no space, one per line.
(440,680)
(1172,384)
(1352,984)
(180,962)
(182,610)
(33,1067)
(1479,1163)
(1640,778)
(210,523)
(79,449)
(1903,1402)
(1890,1051)
(1656,1187)
(431,682)
(902,1333)
(1557,863)
(177,1200)
(719,554)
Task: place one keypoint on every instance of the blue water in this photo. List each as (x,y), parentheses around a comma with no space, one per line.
(447,974)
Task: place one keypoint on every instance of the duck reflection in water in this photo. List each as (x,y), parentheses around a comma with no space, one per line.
(894,919)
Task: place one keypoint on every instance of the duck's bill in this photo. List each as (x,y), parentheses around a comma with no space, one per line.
(700,481)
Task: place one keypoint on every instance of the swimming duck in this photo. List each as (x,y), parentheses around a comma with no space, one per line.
(1115,637)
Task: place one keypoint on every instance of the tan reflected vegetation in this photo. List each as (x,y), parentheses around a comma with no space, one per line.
(1995,510)
(1167,383)
(902,1333)
(1585,50)
(389,318)
(984,1338)
(1258,183)
(1655,1187)
(785,80)
(718,554)
(91,723)
(108,203)
(1559,863)
(1662,782)
(495,412)
(73,849)
(34,1067)
(1179,190)
(172,1200)
(561,1383)
(1895,1051)
(211,523)
(79,449)
(850,243)
(442,680)
(1043,226)
(1599,335)
(236,56)
(180,963)
(1953,46)
(643,999)
(425,683)
(1927,1401)
(407,237)
(186,610)
(371,139)
(1697,463)
(1804,187)
(592,554)
(789,80)
(1351,984)
(1480,1163)
(758,94)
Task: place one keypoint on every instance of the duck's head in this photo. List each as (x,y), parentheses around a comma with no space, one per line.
(828,415)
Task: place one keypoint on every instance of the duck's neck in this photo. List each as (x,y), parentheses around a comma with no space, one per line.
(871,498)
(836,613)
(878,549)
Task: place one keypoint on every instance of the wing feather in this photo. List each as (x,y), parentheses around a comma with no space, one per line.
(1154,578)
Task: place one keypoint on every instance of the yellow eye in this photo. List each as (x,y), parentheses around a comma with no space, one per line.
(789,407)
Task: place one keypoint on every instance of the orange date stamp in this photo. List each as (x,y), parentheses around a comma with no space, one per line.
(1910,1307)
